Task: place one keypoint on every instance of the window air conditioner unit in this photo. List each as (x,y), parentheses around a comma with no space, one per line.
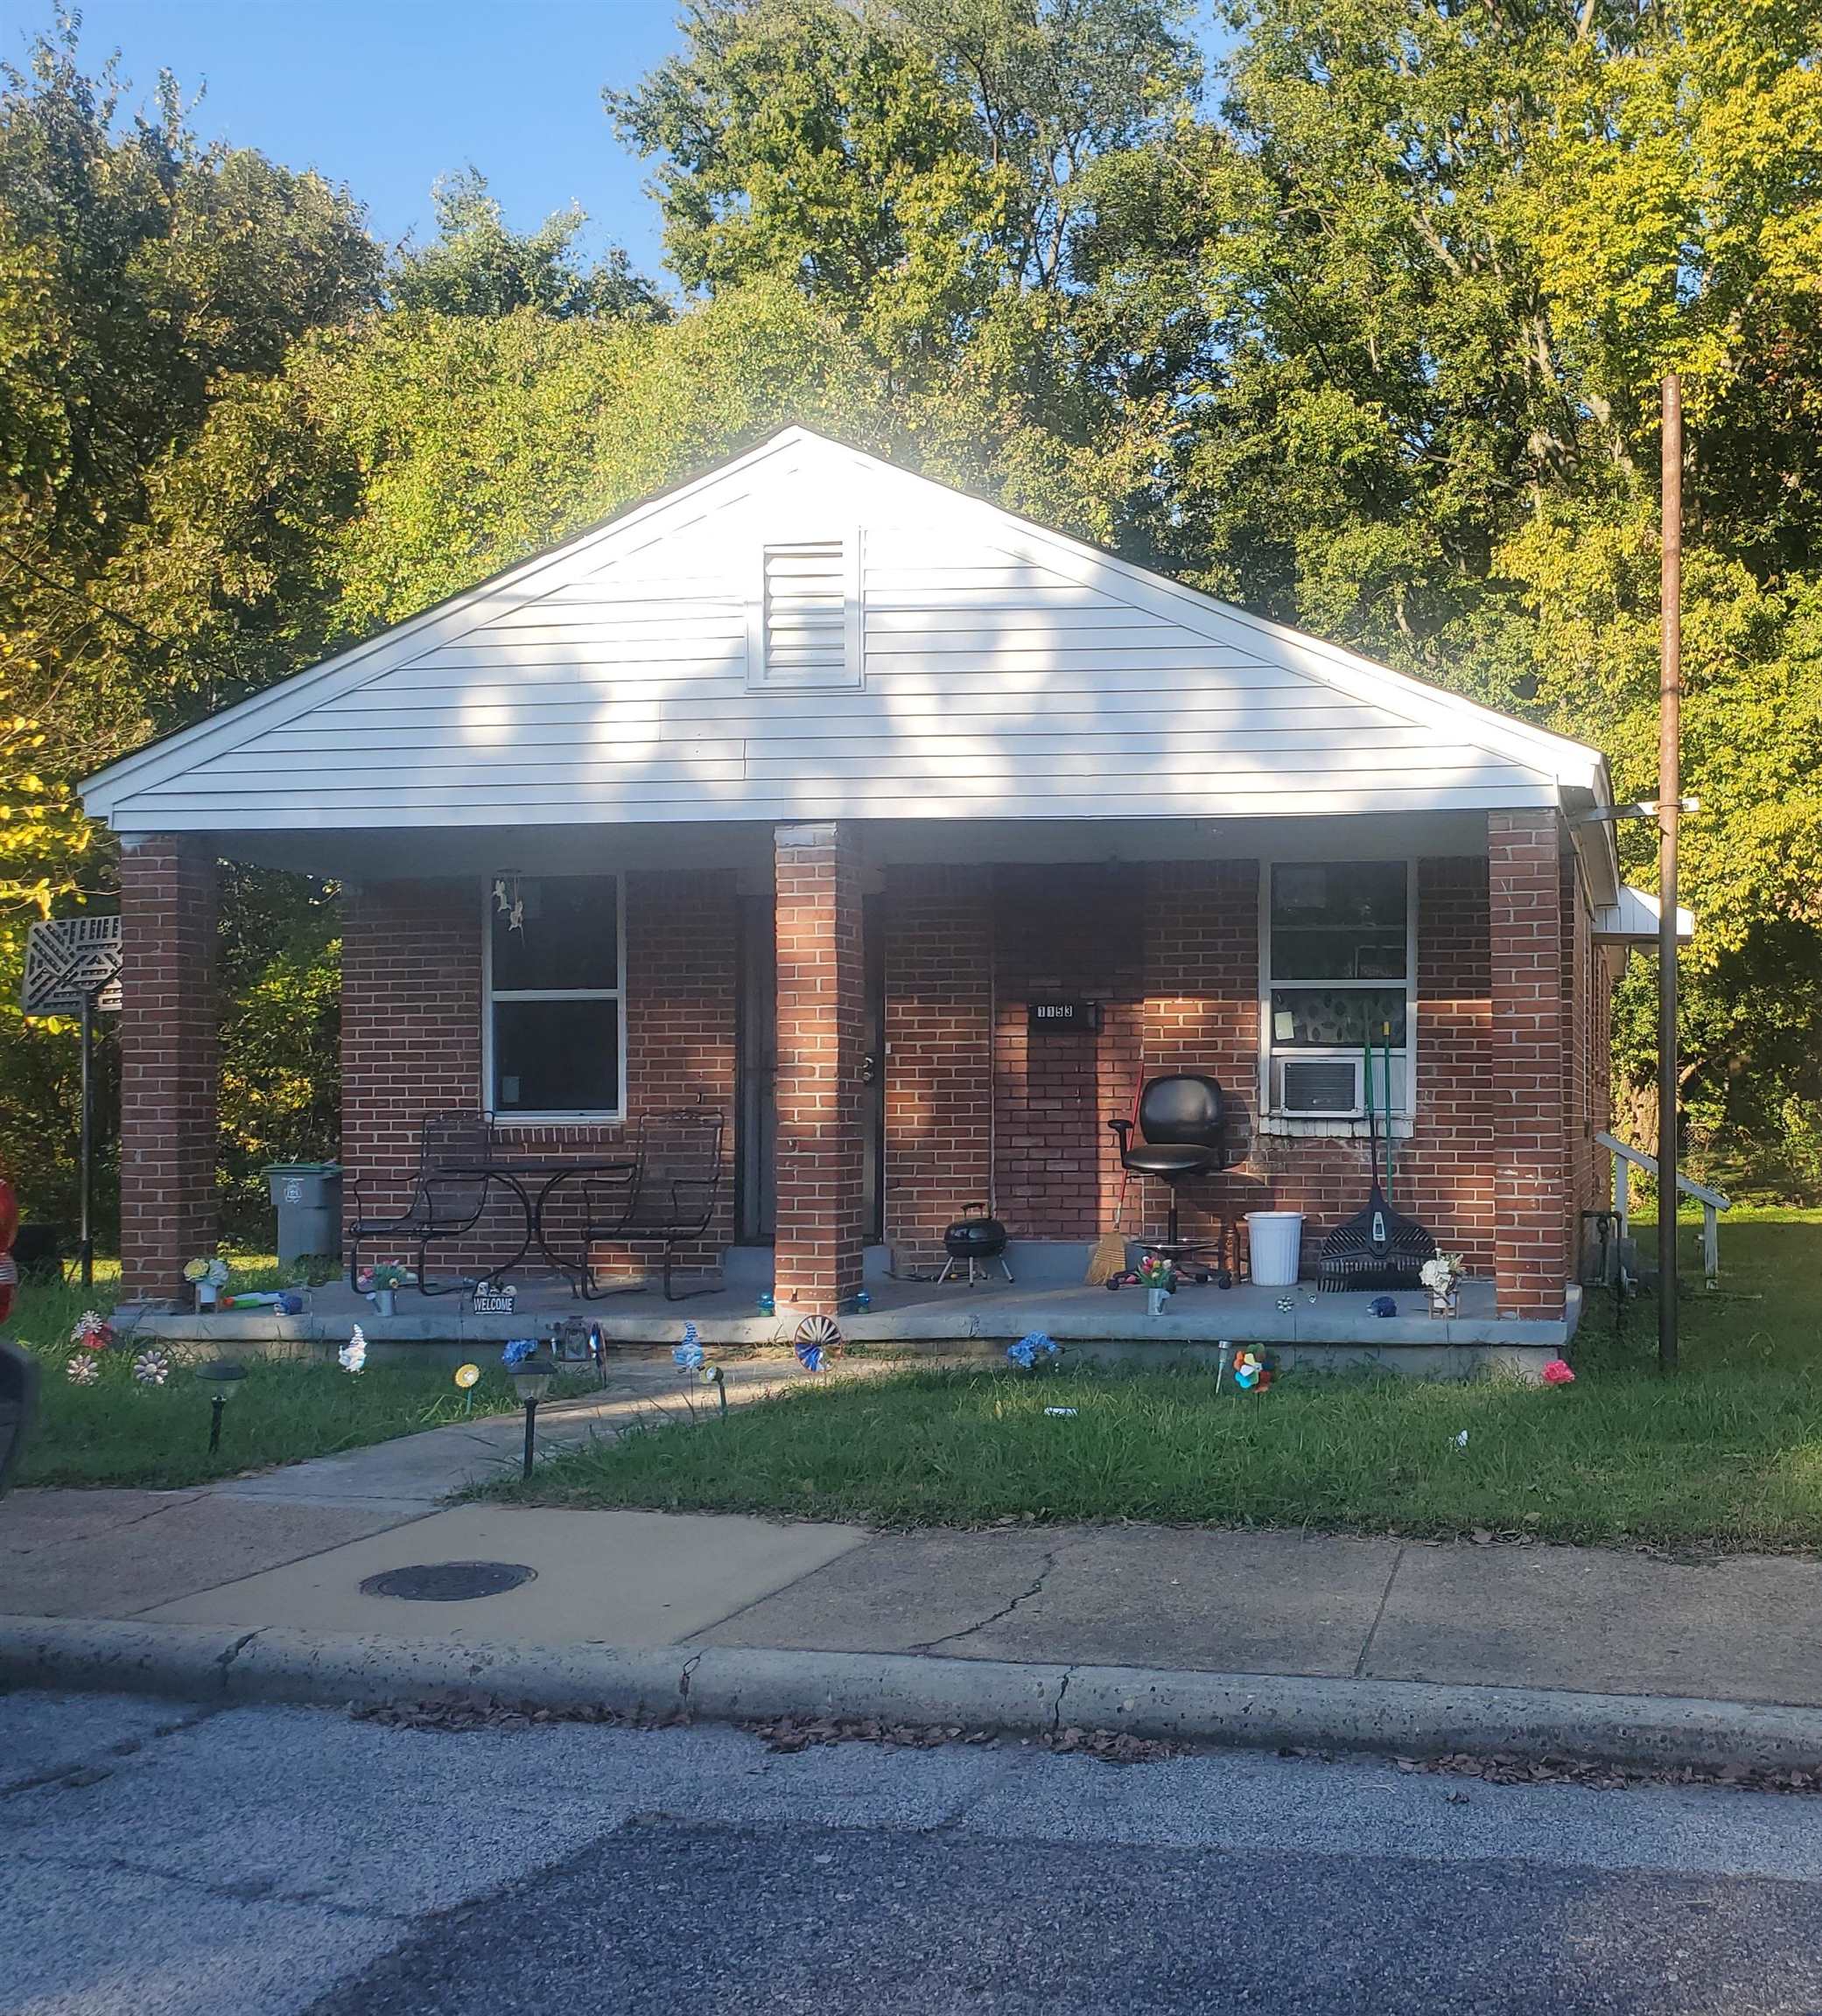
(1320,1088)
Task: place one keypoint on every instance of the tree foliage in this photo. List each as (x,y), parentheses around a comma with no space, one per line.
(1364,330)
(477,265)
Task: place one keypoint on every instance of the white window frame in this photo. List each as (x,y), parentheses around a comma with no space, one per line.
(1273,1119)
(576,1116)
(852,673)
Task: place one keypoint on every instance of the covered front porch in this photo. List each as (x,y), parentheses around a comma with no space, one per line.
(955,1319)
(869,1006)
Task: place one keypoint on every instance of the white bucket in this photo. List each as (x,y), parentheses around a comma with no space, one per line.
(1275,1238)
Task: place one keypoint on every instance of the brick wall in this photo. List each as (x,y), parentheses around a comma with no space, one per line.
(1170,951)
(1180,993)
(938,923)
(1201,1013)
(169,1060)
(1075,932)
(1532,1193)
(412,1044)
(822,1035)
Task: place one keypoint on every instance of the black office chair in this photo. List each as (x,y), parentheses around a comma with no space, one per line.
(1182,1134)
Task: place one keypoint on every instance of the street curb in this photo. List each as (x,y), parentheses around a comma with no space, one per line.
(726,1683)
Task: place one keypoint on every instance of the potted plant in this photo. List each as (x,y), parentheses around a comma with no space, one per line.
(1443,1276)
(1158,1277)
(382,1283)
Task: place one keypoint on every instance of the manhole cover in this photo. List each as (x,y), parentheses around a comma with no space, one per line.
(448,1581)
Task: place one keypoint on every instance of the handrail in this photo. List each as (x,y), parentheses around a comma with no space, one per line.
(1712,1202)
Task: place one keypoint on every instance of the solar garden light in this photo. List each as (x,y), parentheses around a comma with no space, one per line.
(531,1379)
(222,1378)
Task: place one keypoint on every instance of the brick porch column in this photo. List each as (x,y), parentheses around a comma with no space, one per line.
(822,997)
(169,1052)
(1531,1169)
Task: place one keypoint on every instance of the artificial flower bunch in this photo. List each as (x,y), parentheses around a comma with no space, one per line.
(1440,1274)
(91,1331)
(211,1273)
(1158,1271)
(1036,1348)
(518,1351)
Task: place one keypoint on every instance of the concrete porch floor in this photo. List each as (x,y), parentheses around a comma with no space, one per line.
(918,1316)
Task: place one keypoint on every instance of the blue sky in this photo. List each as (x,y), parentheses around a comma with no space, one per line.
(387,95)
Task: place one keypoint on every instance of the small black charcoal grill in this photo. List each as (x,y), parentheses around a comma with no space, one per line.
(972,1241)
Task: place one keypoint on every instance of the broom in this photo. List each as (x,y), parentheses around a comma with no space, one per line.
(1109,1256)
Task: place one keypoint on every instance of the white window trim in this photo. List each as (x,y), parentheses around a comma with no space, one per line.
(852,675)
(577,1117)
(1271,1121)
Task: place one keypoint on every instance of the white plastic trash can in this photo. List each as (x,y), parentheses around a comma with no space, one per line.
(1275,1239)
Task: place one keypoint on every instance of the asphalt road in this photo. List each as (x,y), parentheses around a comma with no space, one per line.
(273,1861)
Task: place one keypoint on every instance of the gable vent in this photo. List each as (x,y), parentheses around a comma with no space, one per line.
(810,625)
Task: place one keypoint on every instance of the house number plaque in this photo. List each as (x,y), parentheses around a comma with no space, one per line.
(1049,1017)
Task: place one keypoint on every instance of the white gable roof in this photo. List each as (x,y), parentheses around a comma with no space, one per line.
(1003,671)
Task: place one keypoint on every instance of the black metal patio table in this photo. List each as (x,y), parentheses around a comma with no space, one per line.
(517,1172)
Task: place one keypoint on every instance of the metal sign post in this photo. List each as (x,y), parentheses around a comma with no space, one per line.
(1670,796)
(73,968)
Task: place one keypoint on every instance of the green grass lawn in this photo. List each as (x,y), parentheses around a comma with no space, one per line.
(1728,1454)
(120,1431)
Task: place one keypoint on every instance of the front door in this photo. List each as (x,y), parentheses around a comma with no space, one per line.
(756,1097)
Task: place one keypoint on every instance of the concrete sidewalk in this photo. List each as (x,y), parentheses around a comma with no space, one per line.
(1747,1628)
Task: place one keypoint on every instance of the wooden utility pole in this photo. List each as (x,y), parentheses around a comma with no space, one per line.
(1669,794)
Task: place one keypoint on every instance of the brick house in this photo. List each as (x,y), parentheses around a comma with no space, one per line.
(809,779)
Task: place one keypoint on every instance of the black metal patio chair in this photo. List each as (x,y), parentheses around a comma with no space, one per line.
(669,1196)
(448,1194)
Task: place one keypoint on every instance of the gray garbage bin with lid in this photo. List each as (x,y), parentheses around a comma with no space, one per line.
(308,1195)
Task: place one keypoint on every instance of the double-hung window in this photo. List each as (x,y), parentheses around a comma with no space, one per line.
(1338,978)
(555,998)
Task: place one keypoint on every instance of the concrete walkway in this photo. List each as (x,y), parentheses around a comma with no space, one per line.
(418,1471)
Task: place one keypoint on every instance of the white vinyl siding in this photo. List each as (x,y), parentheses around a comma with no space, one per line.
(984,671)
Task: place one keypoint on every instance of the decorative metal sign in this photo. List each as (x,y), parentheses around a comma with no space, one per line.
(487,1300)
(68,958)
(1049,1016)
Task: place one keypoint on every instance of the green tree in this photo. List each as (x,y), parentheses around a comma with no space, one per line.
(136,269)
(1459,247)
(139,271)
(475,265)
